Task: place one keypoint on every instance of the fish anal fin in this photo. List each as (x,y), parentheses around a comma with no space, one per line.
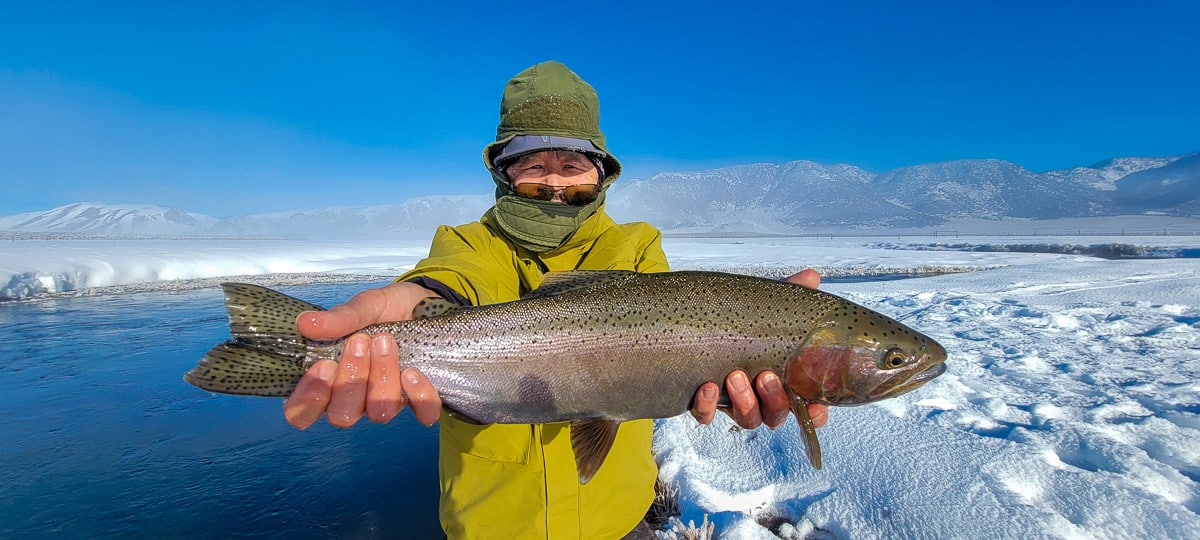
(808,432)
(592,439)
(433,306)
(555,283)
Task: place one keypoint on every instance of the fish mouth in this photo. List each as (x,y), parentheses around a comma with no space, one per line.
(928,374)
(912,382)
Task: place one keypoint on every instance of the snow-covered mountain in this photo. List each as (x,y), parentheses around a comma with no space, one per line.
(1103,176)
(791,197)
(803,194)
(1172,189)
(418,216)
(793,194)
(96,218)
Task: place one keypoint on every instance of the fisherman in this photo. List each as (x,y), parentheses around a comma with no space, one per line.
(551,168)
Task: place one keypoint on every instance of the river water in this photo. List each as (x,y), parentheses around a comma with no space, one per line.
(101,438)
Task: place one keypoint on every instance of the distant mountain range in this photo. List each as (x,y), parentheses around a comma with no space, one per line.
(803,194)
(791,197)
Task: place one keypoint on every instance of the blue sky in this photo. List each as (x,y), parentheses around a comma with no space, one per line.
(249,107)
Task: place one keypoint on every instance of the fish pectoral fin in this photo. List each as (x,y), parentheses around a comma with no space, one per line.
(433,306)
(592,439)
(808,431)
(556,283)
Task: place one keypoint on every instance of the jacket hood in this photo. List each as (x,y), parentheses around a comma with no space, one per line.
(549,99)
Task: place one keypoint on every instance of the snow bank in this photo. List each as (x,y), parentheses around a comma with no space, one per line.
(32,267)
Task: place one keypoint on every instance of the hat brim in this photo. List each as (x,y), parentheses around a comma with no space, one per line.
(527,144)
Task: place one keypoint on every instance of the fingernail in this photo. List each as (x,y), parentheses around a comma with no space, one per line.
(769,382)
(739,382)
(327,371)
(357,346)
(708,392)
(410,377)
(382,344)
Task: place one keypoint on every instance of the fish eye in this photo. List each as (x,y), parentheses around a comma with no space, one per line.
(893,358)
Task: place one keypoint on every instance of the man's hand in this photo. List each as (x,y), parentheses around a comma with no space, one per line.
(766,402)
(367,379)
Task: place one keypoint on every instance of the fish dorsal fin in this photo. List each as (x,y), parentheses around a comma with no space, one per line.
(592,439)
(433,306)
(555,283)
(808,432)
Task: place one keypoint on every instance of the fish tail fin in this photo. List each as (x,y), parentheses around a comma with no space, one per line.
(267,355)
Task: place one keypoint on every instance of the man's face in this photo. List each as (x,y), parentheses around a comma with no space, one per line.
(554,169)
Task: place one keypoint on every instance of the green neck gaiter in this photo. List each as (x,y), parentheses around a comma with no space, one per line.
(540,226)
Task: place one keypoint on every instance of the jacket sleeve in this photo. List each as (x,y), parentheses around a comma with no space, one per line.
(653,258)
(457,261)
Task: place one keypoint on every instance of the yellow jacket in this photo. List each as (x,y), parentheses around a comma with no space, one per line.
(519,480)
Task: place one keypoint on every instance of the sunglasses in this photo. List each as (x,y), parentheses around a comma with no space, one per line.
(577,195)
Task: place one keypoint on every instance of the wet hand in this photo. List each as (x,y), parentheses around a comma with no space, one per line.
(367,379)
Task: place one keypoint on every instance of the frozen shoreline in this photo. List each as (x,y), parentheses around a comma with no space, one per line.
(31,269)
(191,284)
(309,278)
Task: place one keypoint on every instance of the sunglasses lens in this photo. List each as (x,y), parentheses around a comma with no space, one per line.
(581,194)
(540,192)
(574,195)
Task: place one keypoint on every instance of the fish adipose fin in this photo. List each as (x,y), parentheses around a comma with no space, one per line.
(592,439)
(808,432)
(267,355)
(555,283)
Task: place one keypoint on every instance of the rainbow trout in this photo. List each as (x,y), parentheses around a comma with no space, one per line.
(597,348)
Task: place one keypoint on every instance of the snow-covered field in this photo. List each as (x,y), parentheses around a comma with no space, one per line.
(1071,407)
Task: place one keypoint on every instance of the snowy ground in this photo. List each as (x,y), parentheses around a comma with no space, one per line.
(1071,407)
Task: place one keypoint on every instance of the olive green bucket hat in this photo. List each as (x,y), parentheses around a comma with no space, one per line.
(551,101)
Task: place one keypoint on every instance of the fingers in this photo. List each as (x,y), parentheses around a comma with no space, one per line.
(385,396)
(425,402)
(364,309)
(807,278)
(347,401)
(311,396)
(704,405)
(818,413)
(745,410)
(773,401)
(366,380)
(767,402)
(394,302)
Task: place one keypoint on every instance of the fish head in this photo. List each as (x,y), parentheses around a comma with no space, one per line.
(861,356)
